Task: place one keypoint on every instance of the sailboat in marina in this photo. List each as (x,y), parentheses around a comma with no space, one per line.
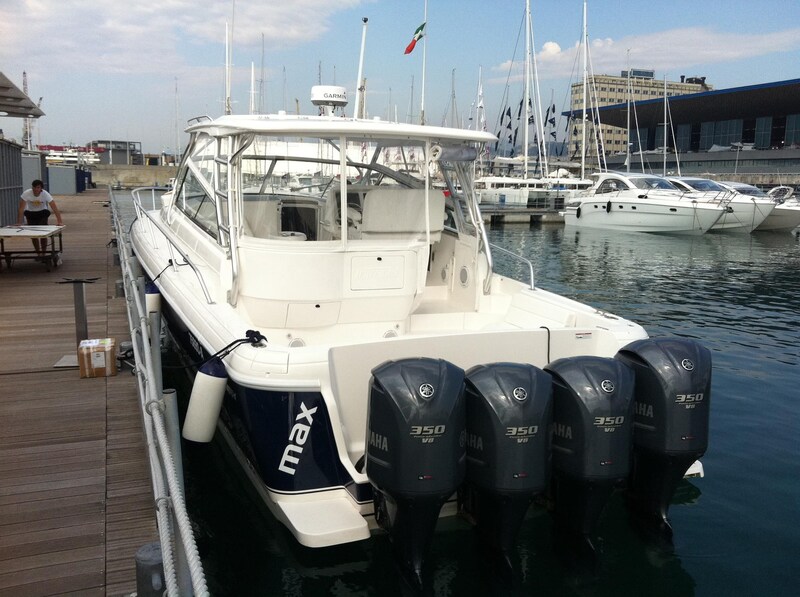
(517,187)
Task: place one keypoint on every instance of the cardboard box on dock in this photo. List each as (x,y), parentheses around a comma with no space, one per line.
(97,357)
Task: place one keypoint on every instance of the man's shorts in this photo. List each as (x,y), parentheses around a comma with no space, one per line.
(37,218)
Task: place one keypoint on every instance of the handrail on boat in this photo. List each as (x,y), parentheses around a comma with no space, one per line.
(167,491)
(141,211)
(519,258)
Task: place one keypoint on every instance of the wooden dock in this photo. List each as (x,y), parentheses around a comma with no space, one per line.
(497,216)
(75,496)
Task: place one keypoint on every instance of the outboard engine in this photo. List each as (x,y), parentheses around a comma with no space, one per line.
(509,412)
(415,456)
(592,428)
(673,390)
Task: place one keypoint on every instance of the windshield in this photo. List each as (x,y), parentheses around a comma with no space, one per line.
(748,189)
(653,182)
(704,185)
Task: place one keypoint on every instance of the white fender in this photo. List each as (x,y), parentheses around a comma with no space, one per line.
(152,298)
(205,402)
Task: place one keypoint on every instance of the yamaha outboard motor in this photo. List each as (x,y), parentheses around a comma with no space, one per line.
(592,428)
(509,412)
(415,451)
(673,390)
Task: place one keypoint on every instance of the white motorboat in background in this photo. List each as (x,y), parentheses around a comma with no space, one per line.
(784,216)
(367,364)
(512,191)
(744,213)
(634,202)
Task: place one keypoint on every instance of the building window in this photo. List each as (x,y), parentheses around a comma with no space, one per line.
(763,132)
(706,135)
(792,130)
(727,132)
(683,137)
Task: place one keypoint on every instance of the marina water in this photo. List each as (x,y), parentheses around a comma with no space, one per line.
(737,530)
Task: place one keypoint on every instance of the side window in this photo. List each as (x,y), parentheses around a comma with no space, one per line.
(198,205)
(608,186)
(450,219)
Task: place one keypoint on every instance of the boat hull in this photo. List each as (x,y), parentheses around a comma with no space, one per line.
(783,217)
(642,216)
(743,216)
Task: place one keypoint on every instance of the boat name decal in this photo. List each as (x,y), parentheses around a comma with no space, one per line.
(299,435)
(195,344)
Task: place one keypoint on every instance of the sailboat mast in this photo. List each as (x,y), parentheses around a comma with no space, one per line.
(177,138)
(664,171)
(527,82)
(252,106)
(537,109)
(453,109)
(228,35)
(585,77)
(628,117)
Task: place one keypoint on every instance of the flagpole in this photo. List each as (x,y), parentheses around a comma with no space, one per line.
(359,87)
(424,52)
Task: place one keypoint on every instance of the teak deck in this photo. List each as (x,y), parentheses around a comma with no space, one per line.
(75,496)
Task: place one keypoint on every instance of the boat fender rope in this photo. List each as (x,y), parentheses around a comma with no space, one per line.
(169,263)
(252,337)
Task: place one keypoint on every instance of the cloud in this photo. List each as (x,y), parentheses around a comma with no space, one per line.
(689,47)
(102,36)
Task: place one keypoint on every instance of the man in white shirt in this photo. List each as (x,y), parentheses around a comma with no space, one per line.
(35,205)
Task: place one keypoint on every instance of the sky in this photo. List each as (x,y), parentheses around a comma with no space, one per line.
(139,70)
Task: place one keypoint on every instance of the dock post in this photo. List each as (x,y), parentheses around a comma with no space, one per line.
(79,294)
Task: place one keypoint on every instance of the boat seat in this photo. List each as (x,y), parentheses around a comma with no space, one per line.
(260,217)
(397,213)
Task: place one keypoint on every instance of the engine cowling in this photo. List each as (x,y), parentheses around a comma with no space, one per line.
(415,455)
(592,429)
(671,418)
(509,413)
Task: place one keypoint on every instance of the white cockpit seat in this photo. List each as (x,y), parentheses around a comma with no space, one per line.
(397,213)
(260,217)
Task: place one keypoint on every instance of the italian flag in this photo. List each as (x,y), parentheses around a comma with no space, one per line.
(415,39)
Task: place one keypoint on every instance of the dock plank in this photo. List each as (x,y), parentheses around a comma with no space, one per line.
(75,494)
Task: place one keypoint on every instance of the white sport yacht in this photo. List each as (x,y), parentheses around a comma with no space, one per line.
(634,202)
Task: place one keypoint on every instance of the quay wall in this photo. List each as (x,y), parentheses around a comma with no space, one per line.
(131,176)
